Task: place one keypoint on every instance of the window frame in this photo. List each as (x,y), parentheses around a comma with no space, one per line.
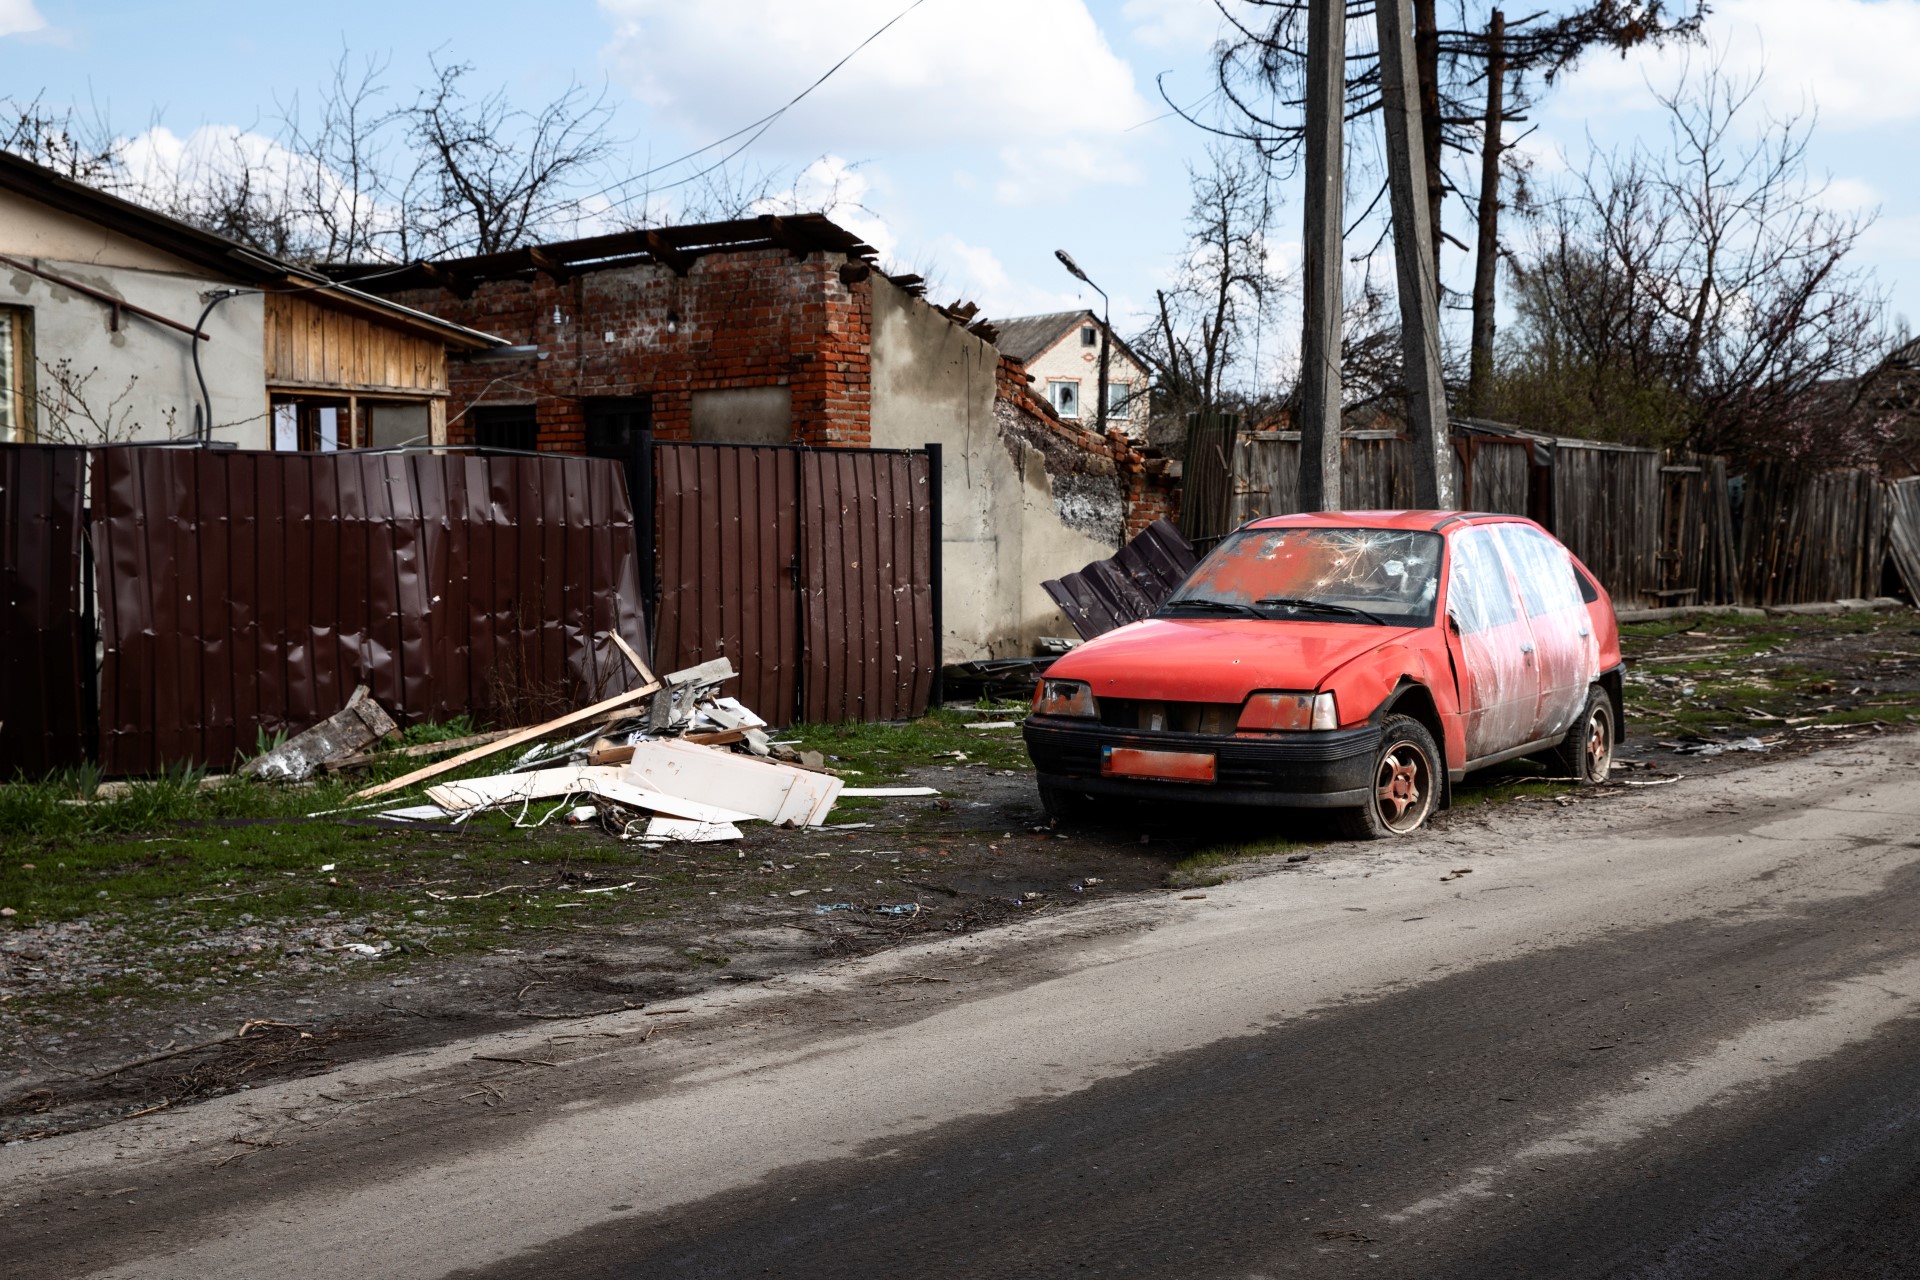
(1089,335)
(19,389)
(1053,384)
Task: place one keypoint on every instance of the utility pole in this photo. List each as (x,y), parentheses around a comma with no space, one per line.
(1324,248)
(1486,259)
(1413,239)
(1106,327)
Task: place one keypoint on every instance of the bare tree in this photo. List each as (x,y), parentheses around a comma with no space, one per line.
(490,176)
(1199,336)
(1703,292)
(71,412)
(81,149)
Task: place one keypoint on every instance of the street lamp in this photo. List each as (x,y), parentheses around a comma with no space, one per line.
(1106,314)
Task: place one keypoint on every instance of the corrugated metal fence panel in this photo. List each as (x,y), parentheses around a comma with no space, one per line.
(1127,586)
(45,695)
(867,585)
(1606,509)
(727,542)
(247,593)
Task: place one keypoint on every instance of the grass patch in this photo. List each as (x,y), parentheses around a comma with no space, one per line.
(1211,866)
(877,754)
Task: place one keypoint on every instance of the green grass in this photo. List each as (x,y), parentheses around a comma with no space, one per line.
(880,754)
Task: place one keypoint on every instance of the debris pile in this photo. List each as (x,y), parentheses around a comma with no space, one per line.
(671,760)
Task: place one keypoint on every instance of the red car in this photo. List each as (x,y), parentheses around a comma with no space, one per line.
(1360,661)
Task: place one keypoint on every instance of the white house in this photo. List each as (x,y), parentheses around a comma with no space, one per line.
(118,323)
(1061,351)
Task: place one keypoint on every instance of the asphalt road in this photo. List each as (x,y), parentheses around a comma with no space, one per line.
(1669,1032)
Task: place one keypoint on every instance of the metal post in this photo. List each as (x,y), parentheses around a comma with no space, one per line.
(1413,258)
(645,533)
(1323,244)
(938,694)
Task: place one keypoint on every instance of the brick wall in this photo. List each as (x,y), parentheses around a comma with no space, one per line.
(758,318)
(1150,483)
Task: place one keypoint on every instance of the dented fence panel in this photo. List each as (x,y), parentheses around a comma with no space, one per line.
(46,633)
(249,593)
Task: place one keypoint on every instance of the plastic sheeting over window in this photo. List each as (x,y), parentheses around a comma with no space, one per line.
(1500,685)
(1566,655)
(1389,575)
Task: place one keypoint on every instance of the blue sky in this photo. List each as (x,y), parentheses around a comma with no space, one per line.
(979,135)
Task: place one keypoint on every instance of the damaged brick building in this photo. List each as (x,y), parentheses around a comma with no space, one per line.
(784,330)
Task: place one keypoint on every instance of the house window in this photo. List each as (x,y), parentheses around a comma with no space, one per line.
(312,424)
(16,375)
(1119,401)
(1065,398)
(1089,336)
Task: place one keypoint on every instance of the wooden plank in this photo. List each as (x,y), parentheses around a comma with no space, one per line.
(511,740)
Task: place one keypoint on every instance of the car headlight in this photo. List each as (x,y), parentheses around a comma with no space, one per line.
(1278,709)
(1064,698)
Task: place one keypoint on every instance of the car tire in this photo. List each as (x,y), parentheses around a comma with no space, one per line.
(1404,784)
(1062,804)
(1586,753)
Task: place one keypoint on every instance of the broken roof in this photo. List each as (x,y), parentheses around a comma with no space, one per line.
(220,257)
(674,247)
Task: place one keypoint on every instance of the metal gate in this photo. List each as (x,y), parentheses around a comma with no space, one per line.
(816,572)
(47,716)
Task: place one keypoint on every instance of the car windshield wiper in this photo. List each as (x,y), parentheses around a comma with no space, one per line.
(1295,602)
(1216,606)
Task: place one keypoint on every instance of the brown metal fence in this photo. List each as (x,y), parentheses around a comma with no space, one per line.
(247,593)
(815,572)
(46,625)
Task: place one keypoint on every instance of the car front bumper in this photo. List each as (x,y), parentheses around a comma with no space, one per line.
(1329,769)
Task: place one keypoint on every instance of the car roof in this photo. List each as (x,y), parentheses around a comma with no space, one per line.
(1422,520)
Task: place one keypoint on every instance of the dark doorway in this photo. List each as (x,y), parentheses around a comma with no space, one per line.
(621,427)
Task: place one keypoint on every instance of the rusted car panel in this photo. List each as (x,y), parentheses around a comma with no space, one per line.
(1337,660)
(46,712)
(248,593)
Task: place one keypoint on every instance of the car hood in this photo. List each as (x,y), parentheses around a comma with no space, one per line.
(1218,659)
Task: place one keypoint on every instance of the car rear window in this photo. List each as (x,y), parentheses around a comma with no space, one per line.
(1388,576)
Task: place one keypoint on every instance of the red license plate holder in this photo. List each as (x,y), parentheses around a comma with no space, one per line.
(1161,766)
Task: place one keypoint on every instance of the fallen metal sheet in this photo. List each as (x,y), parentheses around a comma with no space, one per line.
(417,813)
(608,782)
(853,793)
(1127,586)
(777,793)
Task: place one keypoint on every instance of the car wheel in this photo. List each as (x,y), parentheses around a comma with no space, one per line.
(1063,805)
(1405,783)
(1586,753)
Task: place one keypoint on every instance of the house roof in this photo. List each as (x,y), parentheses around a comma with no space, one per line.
(1025,337)
(674,247)
(220,257)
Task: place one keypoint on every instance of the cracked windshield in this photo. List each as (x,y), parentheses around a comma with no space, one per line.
(1384,577)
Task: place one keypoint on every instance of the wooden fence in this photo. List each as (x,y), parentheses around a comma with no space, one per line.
(1656,529)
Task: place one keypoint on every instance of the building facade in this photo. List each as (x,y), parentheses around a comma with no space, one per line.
(1061,350)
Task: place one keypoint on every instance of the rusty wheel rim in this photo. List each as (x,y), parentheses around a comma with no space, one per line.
(1599,744)
(1403,787)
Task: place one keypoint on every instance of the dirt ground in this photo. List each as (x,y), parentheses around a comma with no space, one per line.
(110,1013)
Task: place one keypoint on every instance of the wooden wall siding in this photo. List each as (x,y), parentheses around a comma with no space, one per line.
(1903,532)
(1376,474)
(1502,477)
(310,344)
(1811,537)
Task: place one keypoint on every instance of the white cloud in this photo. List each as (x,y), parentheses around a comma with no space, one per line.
(1173,24)
(1852,59)
(19,17)
(840,190)
(975,272)
(980,73)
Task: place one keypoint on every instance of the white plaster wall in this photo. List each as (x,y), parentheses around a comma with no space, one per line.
(142,375)
(1067,359)
(1002,535)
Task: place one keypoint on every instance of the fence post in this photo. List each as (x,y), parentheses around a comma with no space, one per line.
(646,535)
(939,692)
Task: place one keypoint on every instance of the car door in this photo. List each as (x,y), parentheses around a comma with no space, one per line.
(1491,643)
(1565,653)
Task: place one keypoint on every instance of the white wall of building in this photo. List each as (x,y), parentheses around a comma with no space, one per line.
(1002,529)
(135,381)
(1069,360)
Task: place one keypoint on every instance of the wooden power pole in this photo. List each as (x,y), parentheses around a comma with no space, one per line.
(1413,254)
(1324,247)
(1486,253)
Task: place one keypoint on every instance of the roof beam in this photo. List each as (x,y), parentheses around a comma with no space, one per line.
(662,251)
(460,286)
(553,267)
